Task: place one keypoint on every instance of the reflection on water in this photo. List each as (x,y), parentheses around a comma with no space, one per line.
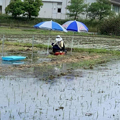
(31,58)
(13,62)
(47,71)
(78,95)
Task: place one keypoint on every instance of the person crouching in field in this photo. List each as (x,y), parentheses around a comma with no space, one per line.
(59,45)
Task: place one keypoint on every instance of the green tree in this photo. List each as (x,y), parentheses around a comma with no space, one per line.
(32,7)
(99,9)
(15,8)
(75,8)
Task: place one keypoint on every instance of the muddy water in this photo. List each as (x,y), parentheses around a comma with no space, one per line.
(78,95)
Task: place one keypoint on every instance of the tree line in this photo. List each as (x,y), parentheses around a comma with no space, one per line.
(96,10)
(26,8)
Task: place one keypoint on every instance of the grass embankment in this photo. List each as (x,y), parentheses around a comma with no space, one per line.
(34,31)
(23,31)
(11,22)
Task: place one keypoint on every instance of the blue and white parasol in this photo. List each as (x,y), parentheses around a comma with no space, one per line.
(50,25)
(75,26)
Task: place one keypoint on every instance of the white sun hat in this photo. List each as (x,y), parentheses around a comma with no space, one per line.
(58,38)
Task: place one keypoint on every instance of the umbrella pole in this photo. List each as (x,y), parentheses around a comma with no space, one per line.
(48,46)
(3,46)
(72,43)
(48,43)
(32,46)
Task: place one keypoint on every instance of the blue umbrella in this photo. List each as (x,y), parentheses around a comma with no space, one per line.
(75,26)
(50,25)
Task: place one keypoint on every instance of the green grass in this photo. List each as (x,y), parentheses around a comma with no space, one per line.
(4,30)
(25,44)
(89,50)
(91,63)
(33,31)
(93,50)
(88,64)
(106,56)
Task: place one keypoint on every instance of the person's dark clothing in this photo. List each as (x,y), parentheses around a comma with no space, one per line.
(56,48)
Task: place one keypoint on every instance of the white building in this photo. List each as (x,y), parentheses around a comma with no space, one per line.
(115,6)
(56,9)
(0,6)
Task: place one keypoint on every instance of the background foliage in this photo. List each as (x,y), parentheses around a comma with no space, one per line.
(27,7)
(100,9)
(110,26)
(75,8)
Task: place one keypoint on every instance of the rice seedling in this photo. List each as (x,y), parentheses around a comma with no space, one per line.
(37,93)
(103,111)
(14,97)
(8,101)
(91,93)
(69,115)
(97,115)
(10,114)
(91,104)
(25,108)
(48,101)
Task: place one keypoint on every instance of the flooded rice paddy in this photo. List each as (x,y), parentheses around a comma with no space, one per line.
(45,93)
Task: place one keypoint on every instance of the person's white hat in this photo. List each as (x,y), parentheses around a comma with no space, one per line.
(58,38)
